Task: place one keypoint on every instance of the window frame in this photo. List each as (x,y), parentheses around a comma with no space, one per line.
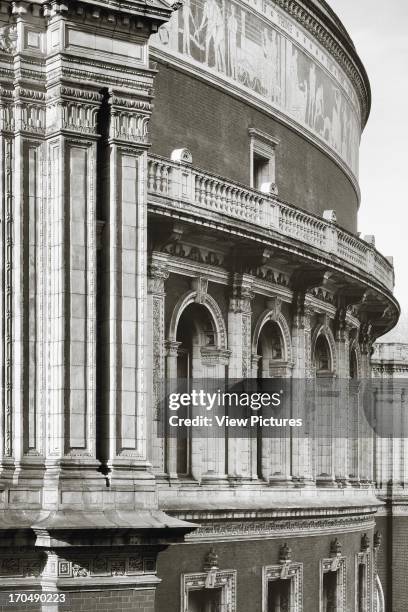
(225,580)
(264,145)
(289,570)
(334,564)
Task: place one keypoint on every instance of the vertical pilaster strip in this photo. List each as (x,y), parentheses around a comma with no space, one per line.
(302,370)
(126,279)
(343,414)
(71,224)
(172,347)
(241,452)
(367,435)
(158,274)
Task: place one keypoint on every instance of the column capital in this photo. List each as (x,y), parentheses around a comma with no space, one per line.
(172,347)
(241,294)
(157,275)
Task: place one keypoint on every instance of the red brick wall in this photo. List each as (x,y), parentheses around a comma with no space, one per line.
(393,562)
(214,126)
(248,558)
(399,564)
(109,600)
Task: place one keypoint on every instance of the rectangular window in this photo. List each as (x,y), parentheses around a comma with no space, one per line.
(362,588)
(262,159)
(279,599)
(282,587)
(330,592)
(205,600)
(333,588)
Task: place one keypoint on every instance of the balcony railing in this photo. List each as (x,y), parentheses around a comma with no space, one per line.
(185,185)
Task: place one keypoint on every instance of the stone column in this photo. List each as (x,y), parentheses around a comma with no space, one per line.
(22,132)
(158,274)
(71,115)
(367,435)
(344,410)
(242,452)
(302,440)
(125,279)
(171,374)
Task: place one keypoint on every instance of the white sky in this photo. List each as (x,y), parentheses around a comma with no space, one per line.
(379,32)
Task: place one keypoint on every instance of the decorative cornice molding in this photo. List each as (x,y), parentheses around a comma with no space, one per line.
(271,529)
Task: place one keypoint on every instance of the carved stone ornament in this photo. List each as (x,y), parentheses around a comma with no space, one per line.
(365,542)
(330,216)
(285,553)
(200,285)
(182,155)
(270,188)
(211,561)
(78,571)
(275,306)
(8,39)
(335,547)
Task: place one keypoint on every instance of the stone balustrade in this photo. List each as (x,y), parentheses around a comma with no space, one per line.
(184,184)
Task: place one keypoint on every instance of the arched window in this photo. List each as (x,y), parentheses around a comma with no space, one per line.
(322,358)
(195,331)
(270,349)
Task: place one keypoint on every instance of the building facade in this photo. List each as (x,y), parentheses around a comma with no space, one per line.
(179,201)
(390,378)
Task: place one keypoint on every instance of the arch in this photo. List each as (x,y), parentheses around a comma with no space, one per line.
(280,320)
(326,332)
(213,308)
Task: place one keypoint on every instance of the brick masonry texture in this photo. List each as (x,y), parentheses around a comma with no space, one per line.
(214,126)
(248,558)
(109,600)
(393,562)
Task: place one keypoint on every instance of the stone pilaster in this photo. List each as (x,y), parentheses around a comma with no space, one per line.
(157,275)
(21,158)
(242,452)
(366,339)
(239,327)
(172,348)
(302,441)
(343,413)
(75,100)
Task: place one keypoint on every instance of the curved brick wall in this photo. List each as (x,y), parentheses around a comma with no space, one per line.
(214,126)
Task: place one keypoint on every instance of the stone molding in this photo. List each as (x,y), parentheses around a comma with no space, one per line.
(225,580)
(279,528)
(210,303)
(336,563)
(286,570)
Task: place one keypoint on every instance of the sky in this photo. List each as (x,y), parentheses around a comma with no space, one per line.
(379,32)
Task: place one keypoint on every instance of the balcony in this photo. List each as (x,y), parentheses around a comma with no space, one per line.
(178,185)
